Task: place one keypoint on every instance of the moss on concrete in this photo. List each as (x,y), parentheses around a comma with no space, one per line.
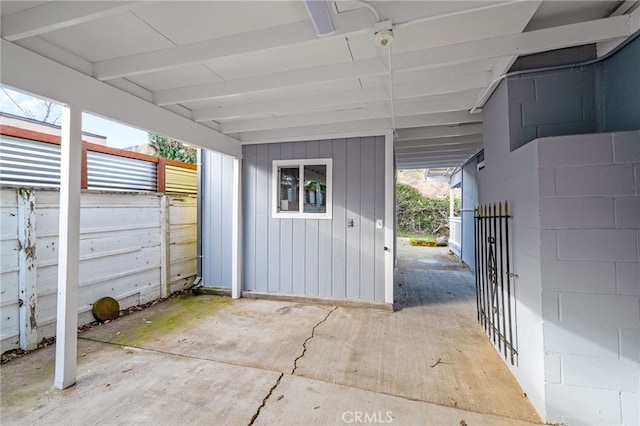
(160,322)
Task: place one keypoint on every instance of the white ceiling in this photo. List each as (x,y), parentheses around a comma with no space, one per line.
(257,72)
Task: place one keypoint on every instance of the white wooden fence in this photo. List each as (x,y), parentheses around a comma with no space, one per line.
(134,247)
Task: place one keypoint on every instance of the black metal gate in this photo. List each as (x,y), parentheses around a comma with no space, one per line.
(494,291)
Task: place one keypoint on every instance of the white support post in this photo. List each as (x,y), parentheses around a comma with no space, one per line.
(451,209)
(68,248)
(27,271)
(236,231)
(389,226)
(165,253)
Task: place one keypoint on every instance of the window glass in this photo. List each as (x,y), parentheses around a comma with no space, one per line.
(289,189)
(315,188)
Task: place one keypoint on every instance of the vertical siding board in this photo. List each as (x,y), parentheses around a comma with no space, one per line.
(367,218)
(380,210)
(273,253)
(226,235)
(311,237)
(339,222)
(216,217)
(299,238)
(205,185)
(250,153)
(262,209)
(353,213)
(325,243)
(286,237)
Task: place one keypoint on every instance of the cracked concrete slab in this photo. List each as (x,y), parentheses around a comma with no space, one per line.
(268,335)
(431,349)
(302,401)
(118,385)
(213,360)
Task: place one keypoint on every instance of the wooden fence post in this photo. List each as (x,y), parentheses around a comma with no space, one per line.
(27,272)
(165,249)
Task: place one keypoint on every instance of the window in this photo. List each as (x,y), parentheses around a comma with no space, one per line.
(302,189)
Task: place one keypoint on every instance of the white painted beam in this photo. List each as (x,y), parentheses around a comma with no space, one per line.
(354,128)
(404,165)
(437,132)
(451,140)
(438,119)
(431,104)
(439,148)
(513,44)
(358,20)
(56,15)
(402,91)
(32,73)
(68,248)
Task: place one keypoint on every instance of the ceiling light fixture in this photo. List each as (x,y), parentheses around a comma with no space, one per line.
(383,33)
(320,15)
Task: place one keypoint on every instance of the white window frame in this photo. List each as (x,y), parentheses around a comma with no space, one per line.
(300,214)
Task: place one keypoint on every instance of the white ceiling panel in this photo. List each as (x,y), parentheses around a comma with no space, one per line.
(107,38)
(319,52)
(481,23)
(169,79)
(9,7)
(185,22)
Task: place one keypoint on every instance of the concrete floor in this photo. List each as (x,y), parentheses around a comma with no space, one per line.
(211,360)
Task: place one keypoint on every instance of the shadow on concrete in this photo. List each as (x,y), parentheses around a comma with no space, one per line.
(430,276)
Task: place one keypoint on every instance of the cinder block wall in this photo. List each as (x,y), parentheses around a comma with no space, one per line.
(552,103)
(590,272)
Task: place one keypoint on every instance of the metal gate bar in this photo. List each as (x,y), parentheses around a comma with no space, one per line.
(493,276)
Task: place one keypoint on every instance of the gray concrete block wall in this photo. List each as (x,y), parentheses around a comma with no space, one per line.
(590,275)
(552,103)
(512,176)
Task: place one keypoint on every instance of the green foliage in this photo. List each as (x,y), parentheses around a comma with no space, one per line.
(172,149)
(418,215)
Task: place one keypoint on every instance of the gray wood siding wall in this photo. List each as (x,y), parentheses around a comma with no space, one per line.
(317,257)
(217,178)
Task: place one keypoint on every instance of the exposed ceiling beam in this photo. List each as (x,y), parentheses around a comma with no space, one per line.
(451,140)
(514,44)
(353,128)
(437,132)
(414,89)
(438,119)
(426,164)
(24,70)
(412,107)
(56,15)
(439,148)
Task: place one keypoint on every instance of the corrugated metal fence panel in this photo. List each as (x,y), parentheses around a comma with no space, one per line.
(183,240)
(114,173)
(181,180)
(28,163)
(9,308)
